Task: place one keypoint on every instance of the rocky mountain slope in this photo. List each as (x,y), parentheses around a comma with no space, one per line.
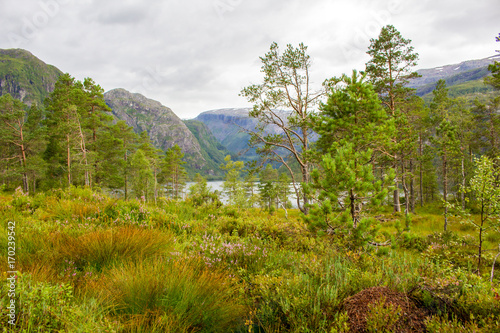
(229,125)
(26,77)
(162,125)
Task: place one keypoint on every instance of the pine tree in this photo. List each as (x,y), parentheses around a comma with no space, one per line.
(283,191)
(286,86)
(233,185)
(353,126)
(94,116)
(390,68)
(76,114)
(63,126)
(487,124)
(446,142)
(173,172)
(12,136)
(250,183)
(410,123)
(22,138)
(267,188)
(462,117)
(141,175)
(153,156)
(118,144)
(485,188)
(36,141)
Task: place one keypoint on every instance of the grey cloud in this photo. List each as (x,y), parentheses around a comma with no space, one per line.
(123,16)
(196,55)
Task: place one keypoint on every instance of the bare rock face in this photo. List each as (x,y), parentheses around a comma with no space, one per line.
(162,125)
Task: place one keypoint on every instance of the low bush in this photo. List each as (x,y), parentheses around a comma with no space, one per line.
(49,307)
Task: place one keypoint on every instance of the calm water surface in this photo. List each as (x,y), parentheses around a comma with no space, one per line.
(216,185)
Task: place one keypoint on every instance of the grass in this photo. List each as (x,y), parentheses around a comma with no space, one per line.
(174,296)
(99,249)
(89,263)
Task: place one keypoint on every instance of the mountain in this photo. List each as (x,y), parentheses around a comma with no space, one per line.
(26,77)
(162,125)
(229,126)
(226,125)
(211,149)
(466,77)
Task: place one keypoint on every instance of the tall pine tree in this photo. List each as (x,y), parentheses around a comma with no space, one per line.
(390,68)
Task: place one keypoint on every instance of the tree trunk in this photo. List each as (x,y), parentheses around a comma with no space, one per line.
(84,153)
(23,158)
(445,190)
(462,193)
(412,188)
(68,160)
(305,179)
(480,248)
(405,188)
(126,178)
(25,177)
(397,204)
(354,214)
(421,150)
(155,187)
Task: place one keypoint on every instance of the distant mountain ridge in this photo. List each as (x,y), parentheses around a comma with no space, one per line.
(455,74)
(229,126)
(224,124)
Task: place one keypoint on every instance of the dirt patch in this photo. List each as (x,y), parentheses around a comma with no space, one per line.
(411,318)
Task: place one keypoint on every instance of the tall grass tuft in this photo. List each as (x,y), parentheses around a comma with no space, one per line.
(102,248)
(172,296)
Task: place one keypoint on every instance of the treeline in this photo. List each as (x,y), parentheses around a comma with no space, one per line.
(372,135)
(375,134)
(72,140)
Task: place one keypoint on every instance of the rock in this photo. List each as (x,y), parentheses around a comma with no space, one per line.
(162,125)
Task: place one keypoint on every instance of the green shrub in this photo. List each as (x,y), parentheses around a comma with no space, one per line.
(437,324)
(413,241)
(50,307)
(20,200)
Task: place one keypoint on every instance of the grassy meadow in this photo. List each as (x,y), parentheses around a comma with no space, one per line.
(87,262)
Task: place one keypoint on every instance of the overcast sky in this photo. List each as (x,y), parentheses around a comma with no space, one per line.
(197,55)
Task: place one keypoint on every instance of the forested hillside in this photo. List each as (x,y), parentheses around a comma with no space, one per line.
(25,77)
(212,150)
